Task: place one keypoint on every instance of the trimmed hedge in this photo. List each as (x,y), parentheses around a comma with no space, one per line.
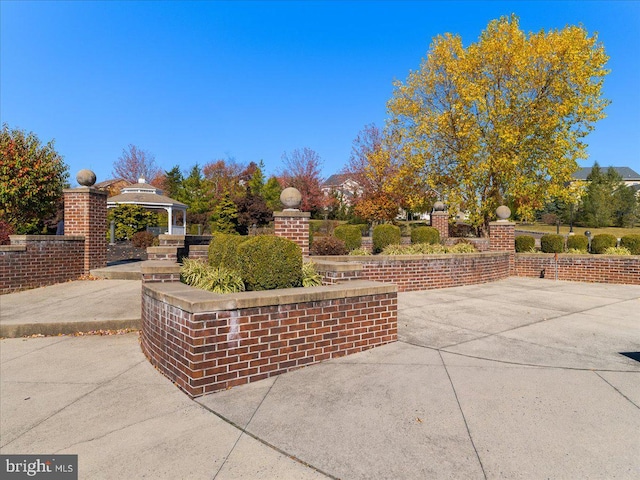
(429,235)
(578,242)
(552,243)
(525,243)
(383,235)
(223,250)
(602,241)
(328,246)
(267,262)
(632,242)
(351,235)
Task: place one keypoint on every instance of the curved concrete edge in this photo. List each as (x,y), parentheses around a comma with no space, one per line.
(66,328)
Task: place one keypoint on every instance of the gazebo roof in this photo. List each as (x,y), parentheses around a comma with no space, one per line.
(144,195)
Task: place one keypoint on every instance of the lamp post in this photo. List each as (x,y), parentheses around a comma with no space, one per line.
(588,235)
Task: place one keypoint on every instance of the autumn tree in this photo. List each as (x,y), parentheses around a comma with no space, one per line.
(135,163)
(223,177)
(502,120)
(32,176)
(302,171)
(372,166)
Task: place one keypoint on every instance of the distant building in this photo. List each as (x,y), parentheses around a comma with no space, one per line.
(629,176)
(343,186)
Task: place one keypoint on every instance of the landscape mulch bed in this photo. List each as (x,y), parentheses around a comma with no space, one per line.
(122,252)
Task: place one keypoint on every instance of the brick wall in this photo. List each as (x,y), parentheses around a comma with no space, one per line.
(85,213)
(205,342)
(580,268)
(293,225)
(440,221)
(38,260)
(502,238)
(419,272)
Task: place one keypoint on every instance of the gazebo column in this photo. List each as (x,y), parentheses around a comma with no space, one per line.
(170,220)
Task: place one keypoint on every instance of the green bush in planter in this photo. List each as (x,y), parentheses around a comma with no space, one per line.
(552,243)
(602,241)
(578,242)
(383,235)
(223,250)
(632,242)
(351,235)
(267,262)
(525,243)
(425,235)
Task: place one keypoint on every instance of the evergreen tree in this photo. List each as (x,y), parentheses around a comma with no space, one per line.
(224,218)
(271,194)
(172,183)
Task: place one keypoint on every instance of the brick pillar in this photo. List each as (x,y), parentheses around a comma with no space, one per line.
(85,213)
(294,225)
(440,221)
(502,238)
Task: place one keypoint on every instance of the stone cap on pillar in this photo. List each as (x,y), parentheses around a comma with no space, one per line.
(292,213)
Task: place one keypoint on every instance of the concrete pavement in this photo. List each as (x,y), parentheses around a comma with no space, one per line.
(521,378)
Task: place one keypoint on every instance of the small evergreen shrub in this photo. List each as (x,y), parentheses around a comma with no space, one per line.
(632,242)
(552,243)
(213,279)
(350,234)
(462,247)
(425,235)
(267,262)
(524,243)
(143,239)
(223,250)
(310,277)
(328,246)
(383,235)
(360,251)
(602,241)
(617,251)
(578,242)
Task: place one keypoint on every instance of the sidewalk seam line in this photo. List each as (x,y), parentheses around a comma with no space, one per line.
(612,386)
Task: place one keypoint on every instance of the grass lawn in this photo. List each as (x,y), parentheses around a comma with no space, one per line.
(564,229)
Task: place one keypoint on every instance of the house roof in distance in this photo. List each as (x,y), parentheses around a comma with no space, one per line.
(337,179)
(625,172)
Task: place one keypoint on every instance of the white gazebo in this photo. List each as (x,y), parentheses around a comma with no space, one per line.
(147,196)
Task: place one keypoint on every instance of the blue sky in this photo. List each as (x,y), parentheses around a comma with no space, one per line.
(193,82)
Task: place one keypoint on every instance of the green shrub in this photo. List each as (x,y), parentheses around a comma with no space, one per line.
(360,251)
(552,243)
(525,243)
(350,234)
(578,242)
(632,242)
(425,235)
(397,249)
(462,247)
(130,219)
(617,251)
(383,235)
(328,246)
(143,239)
(310,277)
(223,250)
(267,262)
(602,241)
(214,279)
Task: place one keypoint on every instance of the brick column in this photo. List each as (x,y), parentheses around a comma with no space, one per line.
(502,238)
(440,221)
(85,213)
(294,225)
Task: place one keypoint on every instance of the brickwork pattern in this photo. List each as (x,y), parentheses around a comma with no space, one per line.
(33,261)
(295,227)
(85,213)
(580,268)
(502,238)
(211,351)
(440,221)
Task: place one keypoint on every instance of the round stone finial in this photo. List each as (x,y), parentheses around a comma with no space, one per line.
(438,207)
(291,198)
(503,212)
(86,178)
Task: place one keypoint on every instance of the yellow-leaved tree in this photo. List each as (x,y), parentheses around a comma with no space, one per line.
(502,120)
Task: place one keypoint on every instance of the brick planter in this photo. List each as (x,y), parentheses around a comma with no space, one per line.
(204,342)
